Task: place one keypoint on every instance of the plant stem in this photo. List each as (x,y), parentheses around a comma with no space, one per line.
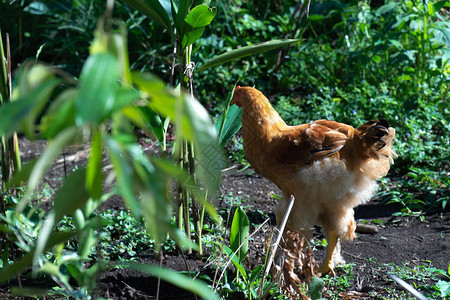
(185,196)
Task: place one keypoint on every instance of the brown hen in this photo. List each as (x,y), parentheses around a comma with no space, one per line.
(328,167)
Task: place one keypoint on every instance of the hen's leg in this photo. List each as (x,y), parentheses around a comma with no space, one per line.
(327,265)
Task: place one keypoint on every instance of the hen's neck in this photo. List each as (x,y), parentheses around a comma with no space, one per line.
(260,120)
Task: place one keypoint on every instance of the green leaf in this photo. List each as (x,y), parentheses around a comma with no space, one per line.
(186,181)
(71,196)
(440,4)
(192,123)
(156,209)
(220,123)
(119,47)
(60,114)
(247,51)
(197,287)
(86,240)
(376,58)
(124,97)
(431,10)
(26,109)
(233,122)
(45,161)
(255,273)
(396,44)
(16,267)
(153,119)
(98,84)
(182,12)
(200,16)
(443,287)
(124,173)
(94,175)
(21,176)
(192,36)
(208,154)
(240,229)
(154,10)
(235,260)
(316,17)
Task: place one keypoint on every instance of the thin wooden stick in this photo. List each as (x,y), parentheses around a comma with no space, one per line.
(161,257)
(277,242)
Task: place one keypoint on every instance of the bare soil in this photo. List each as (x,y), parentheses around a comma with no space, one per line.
(400,240)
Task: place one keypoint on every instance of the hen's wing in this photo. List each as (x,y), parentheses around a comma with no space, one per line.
(303,144)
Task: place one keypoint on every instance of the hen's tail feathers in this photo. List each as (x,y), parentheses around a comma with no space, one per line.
(377,137)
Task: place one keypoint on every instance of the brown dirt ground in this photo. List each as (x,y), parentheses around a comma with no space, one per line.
(408,241)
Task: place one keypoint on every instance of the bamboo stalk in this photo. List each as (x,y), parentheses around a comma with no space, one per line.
(10,159)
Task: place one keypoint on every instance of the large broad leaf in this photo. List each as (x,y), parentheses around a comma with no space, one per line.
(192,123)
(43,164)
(98,85)
(232,124)
(124,96)
(230,121)
(71,196)
(199,17)
(153,119)
(181,13)
(247,51)
(25,110)
(152,9)
(208,154)
(240,230)
(124,173)
(195,286)
(60,114)
(192,35)
(440,4)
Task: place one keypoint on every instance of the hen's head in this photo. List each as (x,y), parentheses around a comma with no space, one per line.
(244,95)
(237,97)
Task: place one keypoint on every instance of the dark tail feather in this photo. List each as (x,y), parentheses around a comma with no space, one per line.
(377,138)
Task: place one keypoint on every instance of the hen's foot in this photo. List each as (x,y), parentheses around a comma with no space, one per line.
(326,269)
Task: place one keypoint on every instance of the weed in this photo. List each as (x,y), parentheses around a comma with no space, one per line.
(338,284)
(424,278)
